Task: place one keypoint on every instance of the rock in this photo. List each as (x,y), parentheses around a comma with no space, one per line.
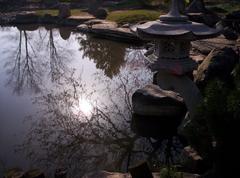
(157,113)
(77,20)
(230,34)
(218,64)
(197,12)
(64,11)
(193,162)
(205,46)
(127,25)
(14,173)
(34,173)
(208,18)
(211,19)
(109,30)
(152,100)
(100,13)
(90,23)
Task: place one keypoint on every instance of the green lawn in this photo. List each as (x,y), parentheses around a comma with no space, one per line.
(133,16)
(54,12)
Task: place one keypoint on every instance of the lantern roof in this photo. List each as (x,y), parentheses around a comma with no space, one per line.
(174,25)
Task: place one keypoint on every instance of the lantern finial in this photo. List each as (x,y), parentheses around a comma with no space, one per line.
(174,14)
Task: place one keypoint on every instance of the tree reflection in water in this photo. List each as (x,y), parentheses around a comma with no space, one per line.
(63,134)
(57,67)
(108,55)
(24,71)
(62,137)
(30,66)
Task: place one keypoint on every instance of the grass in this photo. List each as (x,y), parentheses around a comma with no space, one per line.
(133,16)
(54,12)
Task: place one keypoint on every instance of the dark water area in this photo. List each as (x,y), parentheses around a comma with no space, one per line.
(65,100)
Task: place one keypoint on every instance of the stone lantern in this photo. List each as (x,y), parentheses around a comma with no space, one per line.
(158,110)
(172,35)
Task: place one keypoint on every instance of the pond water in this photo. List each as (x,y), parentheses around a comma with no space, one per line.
(65,99)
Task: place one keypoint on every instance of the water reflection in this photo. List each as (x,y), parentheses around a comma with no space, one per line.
(85,142)
(24,71)
(81,89)
(57,57)
(37,54)
(108,55)
(65,32)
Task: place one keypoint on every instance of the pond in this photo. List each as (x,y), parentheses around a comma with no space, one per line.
(65,99)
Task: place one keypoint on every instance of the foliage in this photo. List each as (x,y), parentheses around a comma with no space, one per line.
(151,2)
(126,4)
(224,7)
(133,16)
(170,172)
(217,121)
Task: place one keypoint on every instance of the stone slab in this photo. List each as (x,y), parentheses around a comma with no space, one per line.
(109,30)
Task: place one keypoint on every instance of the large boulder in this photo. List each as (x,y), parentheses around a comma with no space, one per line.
(64,11)
(152,100)
(218,64)
(208,18)
(157,113)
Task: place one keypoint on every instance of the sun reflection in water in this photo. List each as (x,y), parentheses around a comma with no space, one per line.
(83,107)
